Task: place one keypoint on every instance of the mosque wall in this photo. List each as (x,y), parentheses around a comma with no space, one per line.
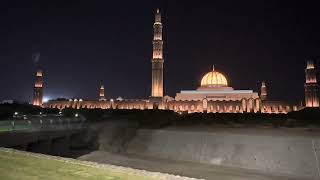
(277,107)
(207,106)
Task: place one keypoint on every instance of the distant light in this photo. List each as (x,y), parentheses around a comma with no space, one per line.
(119,99)
(40,113)
(111,100)
(46,99)
(76,115)
(16,113)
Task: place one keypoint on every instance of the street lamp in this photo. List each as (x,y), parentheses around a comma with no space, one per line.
(15,114)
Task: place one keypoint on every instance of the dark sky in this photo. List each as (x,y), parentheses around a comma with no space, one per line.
(86,43)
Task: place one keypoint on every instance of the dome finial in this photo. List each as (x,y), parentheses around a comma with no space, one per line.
(212,67)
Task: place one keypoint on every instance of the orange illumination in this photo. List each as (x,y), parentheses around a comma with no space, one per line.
(310,65)
(311,80)
(39,74)
(214,78)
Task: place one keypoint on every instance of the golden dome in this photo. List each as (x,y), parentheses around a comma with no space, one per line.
(214,79)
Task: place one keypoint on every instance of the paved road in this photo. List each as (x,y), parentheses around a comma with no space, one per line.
(189,169)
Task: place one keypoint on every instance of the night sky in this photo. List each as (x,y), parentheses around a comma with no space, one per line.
(83,44)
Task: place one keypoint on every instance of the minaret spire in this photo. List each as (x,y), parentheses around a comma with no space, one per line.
(263,91)
(157,17)
(38,89)
(157,58)
(311,86)
(101,93)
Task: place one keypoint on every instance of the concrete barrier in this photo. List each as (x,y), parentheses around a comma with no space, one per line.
(54,142)
(272,151)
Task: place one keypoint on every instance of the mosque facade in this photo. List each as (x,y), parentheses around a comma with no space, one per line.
(214,95)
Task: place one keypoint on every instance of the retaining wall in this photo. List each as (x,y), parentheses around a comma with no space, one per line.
(289,154)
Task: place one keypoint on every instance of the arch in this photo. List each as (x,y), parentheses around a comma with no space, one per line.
(205,104)
(180,108)
(199,108)
(280,108)
(275,108)
(237,108)
(250,105)
(287,108)
(244,104)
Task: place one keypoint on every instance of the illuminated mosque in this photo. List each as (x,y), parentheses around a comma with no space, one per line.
(214,95)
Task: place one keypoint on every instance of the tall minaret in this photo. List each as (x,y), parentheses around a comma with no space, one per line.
(101,94)
(157,58)
(38,89)
(311,86)
(263,91)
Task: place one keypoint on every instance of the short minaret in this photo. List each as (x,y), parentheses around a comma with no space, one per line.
(311,86)
(101,94)
(157,58)
(263,91)
(38,89)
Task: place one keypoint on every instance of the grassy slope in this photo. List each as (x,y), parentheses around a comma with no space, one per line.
(16,128)
(18,166)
